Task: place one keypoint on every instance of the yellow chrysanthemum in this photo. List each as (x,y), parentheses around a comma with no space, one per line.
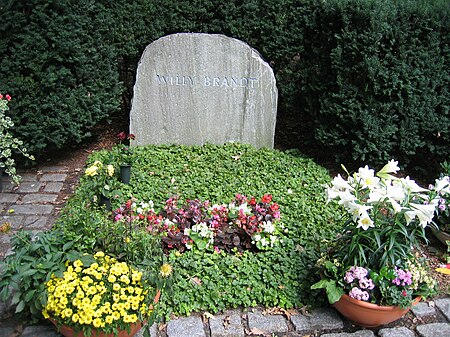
(166,270)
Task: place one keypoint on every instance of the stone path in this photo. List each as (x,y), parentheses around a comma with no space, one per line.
(36,204)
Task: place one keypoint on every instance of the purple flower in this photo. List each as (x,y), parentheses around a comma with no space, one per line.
(358,294)
(403,278)
(366,283)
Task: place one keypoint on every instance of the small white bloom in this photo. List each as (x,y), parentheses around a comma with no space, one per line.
(257,237)
(264,242)
(289,191)
(187,231)
(340,184)
(268,226)
(346,198)
(390,167)
(365,221)
(412,186)
(425,213)
(366,177)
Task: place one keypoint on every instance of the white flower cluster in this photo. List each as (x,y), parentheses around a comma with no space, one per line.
(142,207)
(203,230)
(364,193)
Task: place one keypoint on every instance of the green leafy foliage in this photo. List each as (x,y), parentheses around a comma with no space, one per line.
(215,281)
(33,262)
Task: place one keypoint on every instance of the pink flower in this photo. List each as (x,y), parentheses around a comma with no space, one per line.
(8,97)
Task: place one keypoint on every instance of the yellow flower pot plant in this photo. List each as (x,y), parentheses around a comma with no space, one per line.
(374,263)
(100,296)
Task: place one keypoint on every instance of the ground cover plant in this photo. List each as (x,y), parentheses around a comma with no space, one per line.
(216,278)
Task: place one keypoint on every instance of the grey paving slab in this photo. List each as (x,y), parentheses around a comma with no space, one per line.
(36,222)
(32,209)
(267,323)
(434,330)
(443,304)
(227,325)
(153,331)
(325,319)
(29,177)
(301,323)
(359,333)
(53,187)
(6,331)
(53,177)
(29,187)
(422,309)
(8,197)
(16,221)
(39,198)
(186,326)
(54,168)
(39,331)
(396,332)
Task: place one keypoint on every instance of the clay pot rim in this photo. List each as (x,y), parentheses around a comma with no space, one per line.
(376,306)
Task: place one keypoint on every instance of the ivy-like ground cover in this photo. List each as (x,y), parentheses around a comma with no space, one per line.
(215,281)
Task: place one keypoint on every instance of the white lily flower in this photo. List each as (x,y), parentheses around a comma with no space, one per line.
(346,197)
(410,216)
(365,221)
(390,167)
(412,186)
(443,185)
(425,213)
(395,205)
(366,177)
(341,184)
(357,210)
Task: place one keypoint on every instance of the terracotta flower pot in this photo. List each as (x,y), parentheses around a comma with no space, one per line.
(368,314)
(67,331)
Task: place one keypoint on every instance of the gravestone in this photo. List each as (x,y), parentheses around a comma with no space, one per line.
(196,88)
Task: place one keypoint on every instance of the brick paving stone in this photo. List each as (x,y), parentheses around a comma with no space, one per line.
(359,333)
(29,187)
(434,330)
(54,169)
(6,331)
(227,325)
(39,331)
(301,323)
(16,221)
(396,332)
(29,177)
(187,326)
(7,187)
(268,323)
(8,198)
(35,222)
(153,331)
(422,309)
(39,198)
(443,304)
(325,319)
(53,187)
(53,177)
(32,209)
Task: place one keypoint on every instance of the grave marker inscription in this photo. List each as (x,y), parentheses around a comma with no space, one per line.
(203,88)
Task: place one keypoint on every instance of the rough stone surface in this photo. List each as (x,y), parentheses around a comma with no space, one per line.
(195,88)
(15,221)
(33,209)
(35,221)
(39,198)
(53,177)
(227,325)
(359,333)
(8,197)
(29,187)
(39,331)
(396,332)
(6,331)
(422,309)
(28,177)
(443,304)
(53,187)
(153,331)
(301,323)
(267,323)
(54,169)
(434,330)
(326,319)
(186,326)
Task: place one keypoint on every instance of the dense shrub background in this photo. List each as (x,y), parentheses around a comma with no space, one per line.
(364,80)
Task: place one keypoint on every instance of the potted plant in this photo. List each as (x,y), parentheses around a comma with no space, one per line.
(442,217)
(101,297)
(9,144)
(372,267)
(102,182)
(125,154)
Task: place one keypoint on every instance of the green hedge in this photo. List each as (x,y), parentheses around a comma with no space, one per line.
(360,80)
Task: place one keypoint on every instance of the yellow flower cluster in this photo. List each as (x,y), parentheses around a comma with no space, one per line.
(96,166)
(107,292)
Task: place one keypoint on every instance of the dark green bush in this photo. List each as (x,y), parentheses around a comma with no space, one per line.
(59,66)
(364,80)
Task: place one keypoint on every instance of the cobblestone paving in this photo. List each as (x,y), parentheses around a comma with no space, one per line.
(35,205)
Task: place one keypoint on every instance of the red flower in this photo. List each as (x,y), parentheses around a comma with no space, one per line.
(122,136)
(266,198)
(8,97)
(404,292)
(131,136)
